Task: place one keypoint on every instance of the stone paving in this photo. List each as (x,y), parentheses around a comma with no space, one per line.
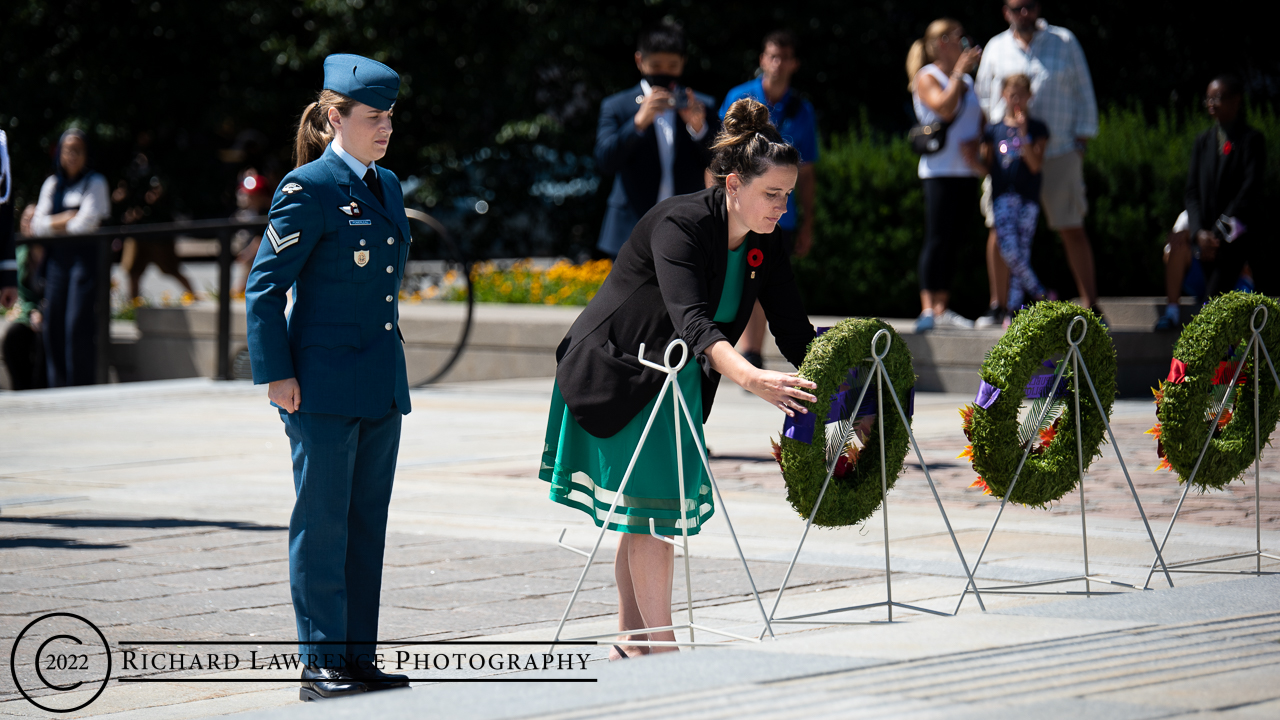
(159,510)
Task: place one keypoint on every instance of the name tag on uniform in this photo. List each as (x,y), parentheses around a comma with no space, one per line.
(360,222)
(362,258)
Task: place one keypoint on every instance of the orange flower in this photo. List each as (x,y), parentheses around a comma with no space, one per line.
(1047,434)
(967,454)
(1164,465)
(1158,392)
(981,485)
(1226,418)
(777,451)
(966,416)
(1154,431)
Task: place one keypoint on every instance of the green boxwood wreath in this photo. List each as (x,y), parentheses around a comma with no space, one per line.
(1037,334)
(1222,324)
(851,499)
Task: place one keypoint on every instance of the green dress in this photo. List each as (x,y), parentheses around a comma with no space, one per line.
(585,471)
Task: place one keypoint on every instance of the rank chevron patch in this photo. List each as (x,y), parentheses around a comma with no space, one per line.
(279,243)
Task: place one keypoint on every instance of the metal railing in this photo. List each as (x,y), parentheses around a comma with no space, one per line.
(223,230)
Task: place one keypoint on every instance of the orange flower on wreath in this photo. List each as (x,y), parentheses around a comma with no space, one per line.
(1047,434)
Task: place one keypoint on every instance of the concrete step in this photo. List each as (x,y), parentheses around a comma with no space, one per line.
(519,341)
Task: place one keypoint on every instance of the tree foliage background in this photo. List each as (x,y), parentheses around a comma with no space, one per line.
(500,97)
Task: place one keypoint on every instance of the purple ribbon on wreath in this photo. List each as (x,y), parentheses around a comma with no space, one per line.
(1037,388)
(801,426)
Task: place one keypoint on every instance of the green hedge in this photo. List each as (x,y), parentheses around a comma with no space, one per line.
(869,219)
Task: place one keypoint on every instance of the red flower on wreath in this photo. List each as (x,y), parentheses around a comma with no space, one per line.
(1226,148)
(1177,371)
(755,257)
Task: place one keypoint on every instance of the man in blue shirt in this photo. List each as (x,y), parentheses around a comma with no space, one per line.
(796,121)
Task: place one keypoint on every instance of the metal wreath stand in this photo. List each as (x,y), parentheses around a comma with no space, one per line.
(881,378)
(680,408)
(1255,344)
(1079,369)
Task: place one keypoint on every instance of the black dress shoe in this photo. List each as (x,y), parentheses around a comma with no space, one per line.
(325,683)
(375,679)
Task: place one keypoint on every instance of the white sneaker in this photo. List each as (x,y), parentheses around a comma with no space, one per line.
(949,318)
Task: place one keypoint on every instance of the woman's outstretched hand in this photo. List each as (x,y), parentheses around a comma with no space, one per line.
(782,390)
(785,391)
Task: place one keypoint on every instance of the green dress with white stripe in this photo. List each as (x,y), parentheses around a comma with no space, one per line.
(585,471)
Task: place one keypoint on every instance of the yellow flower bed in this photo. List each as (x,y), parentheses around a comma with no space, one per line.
(561,284)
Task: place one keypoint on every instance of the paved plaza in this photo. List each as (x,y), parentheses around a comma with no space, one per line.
(159,511)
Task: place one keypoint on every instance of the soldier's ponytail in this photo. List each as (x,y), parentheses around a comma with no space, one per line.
(748,144)
(314,131)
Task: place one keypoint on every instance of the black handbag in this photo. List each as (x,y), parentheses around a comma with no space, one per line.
(927,139)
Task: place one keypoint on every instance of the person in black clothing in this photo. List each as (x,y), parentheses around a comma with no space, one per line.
(1225,217)
(653,137)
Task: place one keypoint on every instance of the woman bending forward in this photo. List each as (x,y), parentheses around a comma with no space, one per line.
(693,269)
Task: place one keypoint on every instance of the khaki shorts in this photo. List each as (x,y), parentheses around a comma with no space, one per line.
(1062,198)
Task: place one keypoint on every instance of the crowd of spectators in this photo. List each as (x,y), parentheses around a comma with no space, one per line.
(1014,117)
(49,290)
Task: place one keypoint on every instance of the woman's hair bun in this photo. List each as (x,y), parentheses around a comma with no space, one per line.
(748,144)
(745,118)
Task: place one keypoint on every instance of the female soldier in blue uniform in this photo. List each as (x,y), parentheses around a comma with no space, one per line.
(337,236)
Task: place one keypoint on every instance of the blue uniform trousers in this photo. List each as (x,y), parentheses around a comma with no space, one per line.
(342,473)
(70,326)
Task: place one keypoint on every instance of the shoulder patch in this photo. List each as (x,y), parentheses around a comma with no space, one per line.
(291,188)
(279,243)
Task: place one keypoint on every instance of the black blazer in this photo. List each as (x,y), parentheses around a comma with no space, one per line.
(1230,184)
(631,156)
(665,284)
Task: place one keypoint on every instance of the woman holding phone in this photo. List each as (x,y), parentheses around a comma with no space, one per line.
(942,90)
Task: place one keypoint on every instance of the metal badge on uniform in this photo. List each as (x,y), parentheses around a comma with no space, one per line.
(362,258)
(291,188)
(353,209)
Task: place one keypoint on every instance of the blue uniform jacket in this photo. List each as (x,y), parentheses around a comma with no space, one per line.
(631,156)
(343,254)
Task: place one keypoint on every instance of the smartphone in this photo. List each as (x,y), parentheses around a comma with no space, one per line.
(679,97)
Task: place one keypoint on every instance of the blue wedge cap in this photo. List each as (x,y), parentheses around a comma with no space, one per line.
(361,79)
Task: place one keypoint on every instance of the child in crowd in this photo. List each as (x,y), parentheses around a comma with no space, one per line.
(1013,150)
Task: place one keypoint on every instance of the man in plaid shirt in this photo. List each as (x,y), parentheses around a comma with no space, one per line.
(1062,99)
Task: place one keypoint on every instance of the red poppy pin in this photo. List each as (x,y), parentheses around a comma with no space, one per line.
(1226,148)
(755,257)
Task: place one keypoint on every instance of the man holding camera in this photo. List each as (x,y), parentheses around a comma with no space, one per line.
(653,137)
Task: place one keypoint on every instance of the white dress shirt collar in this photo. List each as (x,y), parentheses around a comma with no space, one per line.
(354,164)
